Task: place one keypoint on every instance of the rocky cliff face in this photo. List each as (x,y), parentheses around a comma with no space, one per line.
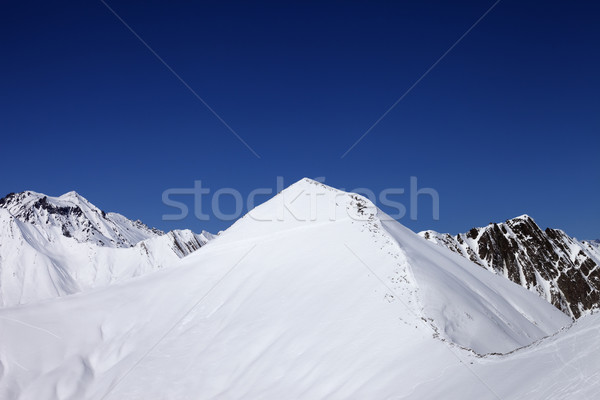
(557,267)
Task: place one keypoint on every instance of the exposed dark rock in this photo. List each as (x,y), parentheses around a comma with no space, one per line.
(550,263)
(472,234)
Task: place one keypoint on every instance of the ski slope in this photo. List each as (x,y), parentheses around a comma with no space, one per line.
(563,366)
(313,295)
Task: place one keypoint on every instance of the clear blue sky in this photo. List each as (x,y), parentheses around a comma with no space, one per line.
(507,123)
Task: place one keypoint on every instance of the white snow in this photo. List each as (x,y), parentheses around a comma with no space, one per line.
(313,295)
(38,262)
(82,220)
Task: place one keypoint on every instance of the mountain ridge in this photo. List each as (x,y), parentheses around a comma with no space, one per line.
(313,294)
(549,262)
(56,246)
(77,218)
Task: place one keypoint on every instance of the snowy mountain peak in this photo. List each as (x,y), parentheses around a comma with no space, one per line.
(523,217)
(310,201)
(55,246)
(307,187)
(339,234)
(71,194)
(76,198)
(311,186)
(552,264)
(76,217)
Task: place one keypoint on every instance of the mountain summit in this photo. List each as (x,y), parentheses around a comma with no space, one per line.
(314,294)
(77,218)
(559,268)
(55,246)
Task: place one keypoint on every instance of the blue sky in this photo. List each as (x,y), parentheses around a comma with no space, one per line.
(507,123)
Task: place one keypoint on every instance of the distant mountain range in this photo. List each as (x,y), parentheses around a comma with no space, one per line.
(55,246)
(559,268)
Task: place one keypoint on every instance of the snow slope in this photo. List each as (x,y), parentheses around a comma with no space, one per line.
(563,366)
(559,268)
(51,247)
(593,246)
(315,294)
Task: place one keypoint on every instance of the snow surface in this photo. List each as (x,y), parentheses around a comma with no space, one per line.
(313,295)
(39,262)
(593,247)
(74,215)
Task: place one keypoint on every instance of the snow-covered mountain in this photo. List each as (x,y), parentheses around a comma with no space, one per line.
(315,294)
(557,267)
(54,246)
(77,218)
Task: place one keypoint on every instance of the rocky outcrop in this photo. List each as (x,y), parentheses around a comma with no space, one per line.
(556,266)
